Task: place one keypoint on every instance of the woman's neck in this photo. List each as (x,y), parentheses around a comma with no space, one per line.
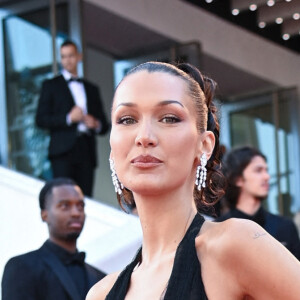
(165,220)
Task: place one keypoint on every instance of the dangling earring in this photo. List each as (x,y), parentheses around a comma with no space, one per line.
(117,184)
(201,173)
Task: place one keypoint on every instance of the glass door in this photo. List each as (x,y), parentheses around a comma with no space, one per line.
(28,61)
(269,123)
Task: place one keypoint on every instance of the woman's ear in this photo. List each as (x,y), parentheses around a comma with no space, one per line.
(206,144)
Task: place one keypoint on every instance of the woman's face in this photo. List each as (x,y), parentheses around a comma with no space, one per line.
(154,139)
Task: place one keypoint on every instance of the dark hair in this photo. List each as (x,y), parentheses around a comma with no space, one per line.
(202,90)
(68,43)
(48,187)
(233,166)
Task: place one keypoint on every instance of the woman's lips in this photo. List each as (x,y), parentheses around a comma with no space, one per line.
(146,161)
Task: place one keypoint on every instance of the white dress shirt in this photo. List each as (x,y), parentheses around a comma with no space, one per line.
(79,96)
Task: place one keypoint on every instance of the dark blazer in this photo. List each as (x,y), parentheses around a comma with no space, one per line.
(55,103)
(40,275)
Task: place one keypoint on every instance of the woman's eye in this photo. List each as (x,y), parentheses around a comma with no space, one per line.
(126,121)
(170,119)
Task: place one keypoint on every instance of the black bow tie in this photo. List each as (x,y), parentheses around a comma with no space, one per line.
(75,79)
(77,257)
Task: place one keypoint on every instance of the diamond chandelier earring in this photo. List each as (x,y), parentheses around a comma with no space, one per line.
(116,182)
(201,173)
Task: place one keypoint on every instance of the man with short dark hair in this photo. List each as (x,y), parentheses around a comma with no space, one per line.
(57,270)
(246,171)
(71,109)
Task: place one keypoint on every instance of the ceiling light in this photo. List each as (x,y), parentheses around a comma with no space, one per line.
(270,2)
(296,16)
(208,1)
(279,20)
(235,11)
(253,7)
(262,24)
(286,36)
(288,0)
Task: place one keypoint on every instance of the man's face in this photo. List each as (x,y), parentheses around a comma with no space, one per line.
(255,179)
(70,58)
(64,213)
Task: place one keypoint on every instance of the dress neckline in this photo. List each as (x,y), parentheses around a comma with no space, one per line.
(185,275)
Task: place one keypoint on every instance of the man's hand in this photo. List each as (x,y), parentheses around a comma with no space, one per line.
(76,114)
(91,122)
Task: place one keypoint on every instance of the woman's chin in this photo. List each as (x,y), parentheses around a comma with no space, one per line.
(147,190)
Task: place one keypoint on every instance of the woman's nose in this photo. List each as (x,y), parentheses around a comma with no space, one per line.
(146,136)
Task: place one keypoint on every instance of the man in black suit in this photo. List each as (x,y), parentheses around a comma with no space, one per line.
(246,171)
(71,109)
(56,271)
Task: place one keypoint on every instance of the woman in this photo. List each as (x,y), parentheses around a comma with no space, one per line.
(164,130)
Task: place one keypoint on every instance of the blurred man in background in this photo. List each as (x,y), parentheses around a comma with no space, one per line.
(71,109)
(57,270)
(246,171)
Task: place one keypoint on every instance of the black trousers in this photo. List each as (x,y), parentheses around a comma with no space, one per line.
(77,165)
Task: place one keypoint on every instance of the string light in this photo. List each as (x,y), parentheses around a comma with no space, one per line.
(279,20)
(235,11)
(270,2)
(286,36)
(296,16)
(262,24)
(253,7)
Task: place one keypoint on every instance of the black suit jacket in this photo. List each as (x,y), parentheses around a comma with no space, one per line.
(40,275)
(55,103)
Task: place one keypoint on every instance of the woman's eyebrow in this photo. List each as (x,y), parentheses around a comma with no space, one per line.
(161,103)
(129,104)
(167,102)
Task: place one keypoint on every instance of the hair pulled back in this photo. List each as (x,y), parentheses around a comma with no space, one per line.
(202,90)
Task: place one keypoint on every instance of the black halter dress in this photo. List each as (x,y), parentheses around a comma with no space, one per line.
(185,282)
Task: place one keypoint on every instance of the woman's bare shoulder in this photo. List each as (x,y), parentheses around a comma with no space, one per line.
(236,245)
(233,242)
(230,236)
(102,288)
(229,228)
